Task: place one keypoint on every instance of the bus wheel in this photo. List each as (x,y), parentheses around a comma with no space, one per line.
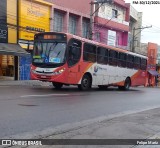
(127,84)
(85,83)
(57,85)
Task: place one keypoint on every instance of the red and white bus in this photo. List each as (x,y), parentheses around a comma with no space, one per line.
(66,59)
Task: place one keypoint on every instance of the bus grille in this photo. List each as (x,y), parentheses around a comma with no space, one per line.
(41,77)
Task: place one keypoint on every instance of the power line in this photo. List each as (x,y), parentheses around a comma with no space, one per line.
(133,40)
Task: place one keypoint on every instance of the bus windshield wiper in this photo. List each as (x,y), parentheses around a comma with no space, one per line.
(52,47)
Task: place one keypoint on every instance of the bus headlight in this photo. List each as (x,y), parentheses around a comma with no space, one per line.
(33,71)
(59,71)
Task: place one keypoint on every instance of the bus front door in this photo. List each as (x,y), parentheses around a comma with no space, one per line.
(73,74)
(74,54)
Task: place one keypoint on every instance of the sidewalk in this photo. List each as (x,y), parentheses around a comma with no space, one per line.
(142,125)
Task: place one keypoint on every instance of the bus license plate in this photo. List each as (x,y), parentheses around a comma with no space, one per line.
(43,77)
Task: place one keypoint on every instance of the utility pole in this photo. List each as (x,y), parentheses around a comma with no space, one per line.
(133,39)
(92,12)
(91,20)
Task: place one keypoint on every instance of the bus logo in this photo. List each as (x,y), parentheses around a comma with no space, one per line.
(95,68)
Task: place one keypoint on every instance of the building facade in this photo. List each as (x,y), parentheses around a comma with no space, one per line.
(9,49)
(143,48)
(158,58)
(70,17)
(158,64)
(152,74)
(111,24)
(19,21)
(134,36)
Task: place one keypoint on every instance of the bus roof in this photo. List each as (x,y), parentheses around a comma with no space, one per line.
(107,46)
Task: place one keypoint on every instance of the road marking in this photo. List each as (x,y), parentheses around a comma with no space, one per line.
(47,95)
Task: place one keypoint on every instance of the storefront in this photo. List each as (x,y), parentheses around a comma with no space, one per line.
(8,55)
(152,73)
(9,49)
(34,17)
(19,21)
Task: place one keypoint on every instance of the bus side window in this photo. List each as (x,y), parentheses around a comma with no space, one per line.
(74,51)
(102,55)
(130,60)
(122,60)
(89,52)
(143,64)
(113,57)
(137,61)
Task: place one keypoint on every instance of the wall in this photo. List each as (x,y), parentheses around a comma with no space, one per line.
(121,37)
(135,22)
(133,12)
(82,6)
(151,64)
(158,55)
(9,26)
(34,17)
(105,11)
(143,48)
(12,19)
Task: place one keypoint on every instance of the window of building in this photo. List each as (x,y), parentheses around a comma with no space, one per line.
(89,52)
(58,21)
(85,28)
(97,36)
(74,51)
(72,25)
(114,13)
(102,55)
(113,57)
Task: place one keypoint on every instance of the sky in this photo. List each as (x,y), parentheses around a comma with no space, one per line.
(151,16)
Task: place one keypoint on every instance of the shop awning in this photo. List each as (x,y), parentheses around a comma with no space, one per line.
(154,72)
(12,49)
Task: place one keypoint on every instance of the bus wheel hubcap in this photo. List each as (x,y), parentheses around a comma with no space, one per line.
(85,82)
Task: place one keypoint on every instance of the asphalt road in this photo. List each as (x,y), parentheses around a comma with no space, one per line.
(30,109)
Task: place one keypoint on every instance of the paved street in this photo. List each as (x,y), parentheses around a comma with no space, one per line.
(123,131)
(28,110)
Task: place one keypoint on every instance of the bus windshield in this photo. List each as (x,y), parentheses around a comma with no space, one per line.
(49,52)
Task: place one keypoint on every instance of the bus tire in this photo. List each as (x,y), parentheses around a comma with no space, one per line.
(57,85)
(127,84)
(86,82)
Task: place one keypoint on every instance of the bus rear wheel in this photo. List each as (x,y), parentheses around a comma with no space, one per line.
(57,85)
(85,83)
(127,84)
